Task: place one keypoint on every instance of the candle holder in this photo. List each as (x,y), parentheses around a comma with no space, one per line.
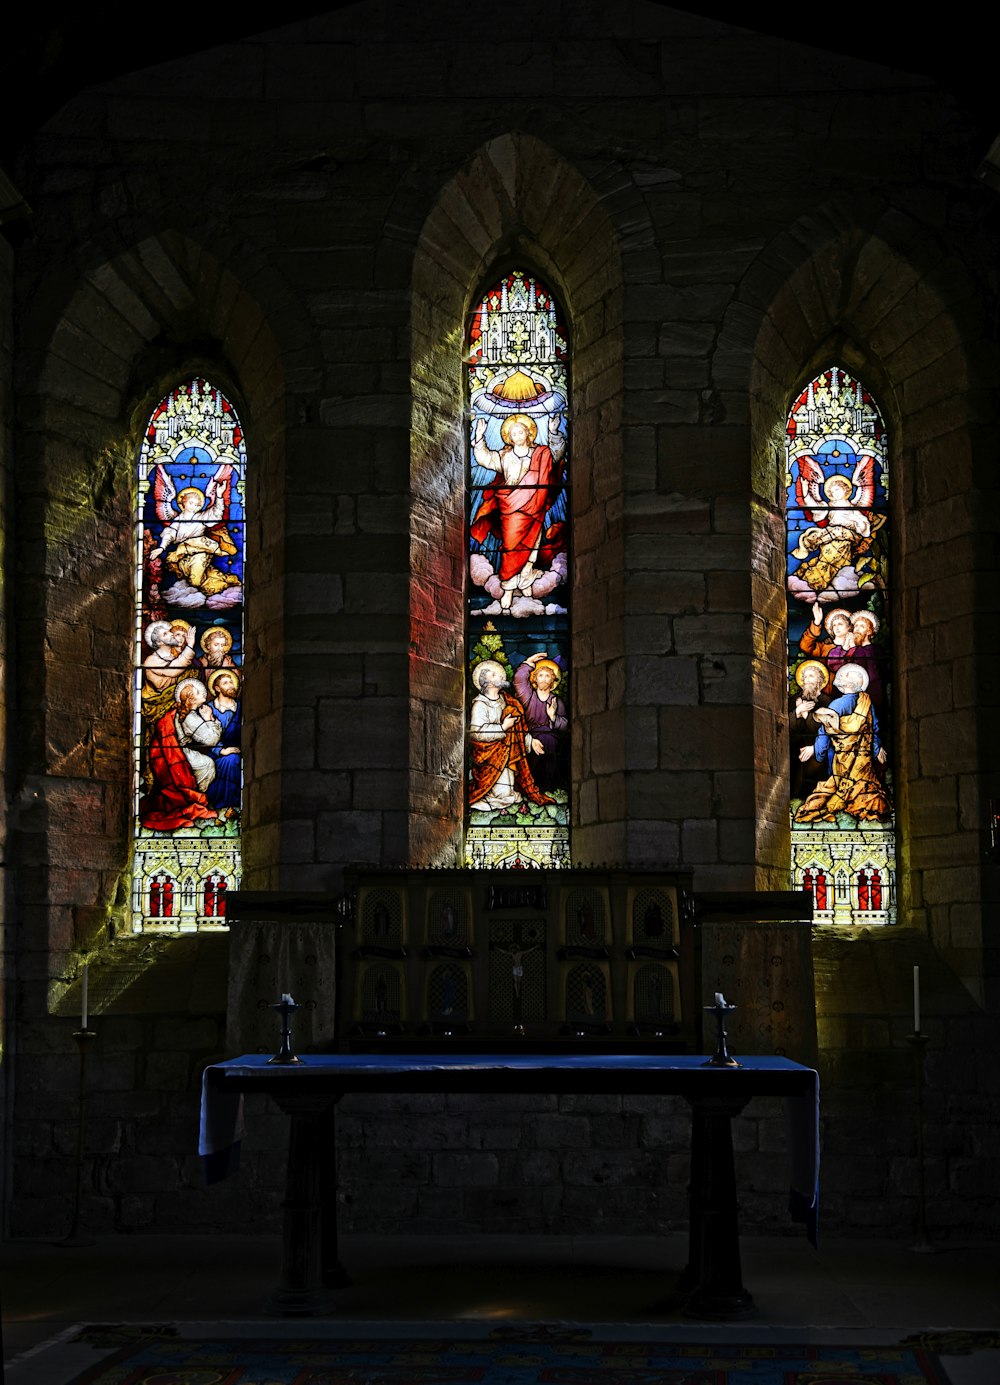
(721,1058)
(286,1007)
(918,1043)
(77,1237)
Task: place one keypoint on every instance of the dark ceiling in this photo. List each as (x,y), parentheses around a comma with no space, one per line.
(51,52)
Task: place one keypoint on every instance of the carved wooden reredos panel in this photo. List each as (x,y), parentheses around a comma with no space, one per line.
(469,955)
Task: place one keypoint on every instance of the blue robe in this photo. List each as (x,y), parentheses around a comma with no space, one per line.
(225,789)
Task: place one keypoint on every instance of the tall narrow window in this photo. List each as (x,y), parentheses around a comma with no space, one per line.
(187,682)
(839,661)
(517,633)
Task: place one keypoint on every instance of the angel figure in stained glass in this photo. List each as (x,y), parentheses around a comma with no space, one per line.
(838,509)
(194,535)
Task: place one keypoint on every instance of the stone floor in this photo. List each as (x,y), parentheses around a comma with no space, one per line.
(851,1291)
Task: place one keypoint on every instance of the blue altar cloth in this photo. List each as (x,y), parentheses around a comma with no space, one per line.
(223,1085)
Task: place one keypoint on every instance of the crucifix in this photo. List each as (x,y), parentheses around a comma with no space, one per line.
(517,948)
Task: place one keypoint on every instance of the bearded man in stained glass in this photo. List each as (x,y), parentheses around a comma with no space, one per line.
(849,746)
(499,773)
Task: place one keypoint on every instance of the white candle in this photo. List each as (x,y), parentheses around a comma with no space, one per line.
(720,999)
(916,1000)
(286,999)
(83,1007)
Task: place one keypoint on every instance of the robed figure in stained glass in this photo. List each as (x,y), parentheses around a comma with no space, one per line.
(499,773)
(849,748)
(839,532)
(536,683)
(514,509)
(180,767)
(194,536)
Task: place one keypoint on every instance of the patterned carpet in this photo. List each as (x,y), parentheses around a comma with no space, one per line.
(521,1354)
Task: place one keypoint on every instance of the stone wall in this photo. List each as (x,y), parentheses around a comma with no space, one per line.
(8,970)
(304,217)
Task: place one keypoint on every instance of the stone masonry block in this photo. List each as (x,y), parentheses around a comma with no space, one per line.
(560,1132)
(467,1169)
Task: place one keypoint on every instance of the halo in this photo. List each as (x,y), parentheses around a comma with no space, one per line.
(812,663)
(837,611)
(529,423)
(216,630)
(837,476)
(190,490)
(218,673)
(550,664)
(484,664)
(858,676)
(155,625)
(187,683)
(869,616)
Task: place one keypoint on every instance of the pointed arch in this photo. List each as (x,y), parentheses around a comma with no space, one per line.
(894,308)
(107,341)
(516,203)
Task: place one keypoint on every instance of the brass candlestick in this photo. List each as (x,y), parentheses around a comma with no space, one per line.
(721,1058)
(285,1007)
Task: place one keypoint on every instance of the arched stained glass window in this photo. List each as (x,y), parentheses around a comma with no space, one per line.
(839,661)
(187,681)
(517,635)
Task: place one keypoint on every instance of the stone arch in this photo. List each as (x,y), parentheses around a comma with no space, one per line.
(516,200)
(102,346)
(889,301)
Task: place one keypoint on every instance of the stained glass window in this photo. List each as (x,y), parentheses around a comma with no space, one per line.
(839,664)
(517,738)
(187,680)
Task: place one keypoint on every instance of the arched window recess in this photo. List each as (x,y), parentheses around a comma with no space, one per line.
(839,651)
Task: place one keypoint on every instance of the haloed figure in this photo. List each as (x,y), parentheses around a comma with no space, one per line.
(223,793)
(514,507)
(536,683)
(500,776)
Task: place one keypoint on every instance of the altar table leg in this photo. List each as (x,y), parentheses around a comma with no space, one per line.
(333,1272)
(714,1274)
(300,1291)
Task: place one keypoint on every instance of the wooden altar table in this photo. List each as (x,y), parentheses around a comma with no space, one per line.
(308,1092)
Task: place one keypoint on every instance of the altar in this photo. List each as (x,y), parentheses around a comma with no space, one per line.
(308,1091)
(583,980)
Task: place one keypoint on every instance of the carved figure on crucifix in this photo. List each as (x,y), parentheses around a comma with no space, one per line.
(517,956)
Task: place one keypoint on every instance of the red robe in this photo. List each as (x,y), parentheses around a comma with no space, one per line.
(491,758)
(515,514)
(176,801)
